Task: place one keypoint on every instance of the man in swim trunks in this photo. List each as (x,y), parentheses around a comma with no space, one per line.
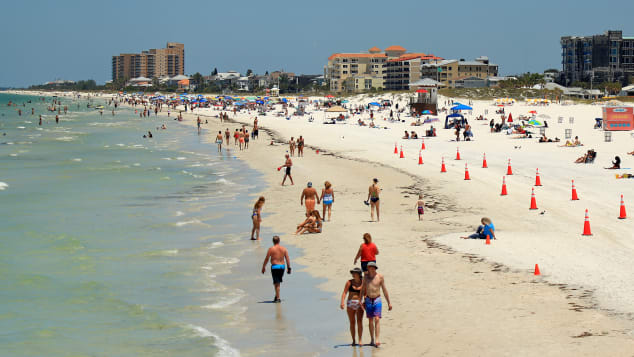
(309,195)
(287,164)
(277,254)
(371,291)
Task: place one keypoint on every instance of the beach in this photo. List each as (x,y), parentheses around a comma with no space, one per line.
(454,296)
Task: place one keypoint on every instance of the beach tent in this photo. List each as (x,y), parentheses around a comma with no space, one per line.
(455,118)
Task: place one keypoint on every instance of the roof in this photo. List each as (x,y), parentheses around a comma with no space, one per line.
(179,77)
(374,49)
(411,56)
(140,79)
(395,48)
(628,88)
(359,55)
(425,82)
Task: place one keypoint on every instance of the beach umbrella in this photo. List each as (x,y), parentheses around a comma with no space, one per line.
(330,96)
(375,104)
(427,112)
(421,91)
(344,101)
(462,107)
(534,122)
(533,112)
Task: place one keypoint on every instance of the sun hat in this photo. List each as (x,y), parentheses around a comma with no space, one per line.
(356,270)
(372,264)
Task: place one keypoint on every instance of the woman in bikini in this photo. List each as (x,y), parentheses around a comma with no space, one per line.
(291,146)
(373,197)
(353,305)
(256,217)
(313,224)
(300,146)
(219,141)
(327,199)
(308,222)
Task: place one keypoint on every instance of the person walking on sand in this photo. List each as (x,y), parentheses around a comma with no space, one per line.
(308,198)
(373,198)
(287,164)
(227,136)
(353,305)
(327,199)
(277,254)
(291,146)
(300,147)
(373,283)
(198,122)
(256,217)
(367,252)
(219,141)
(420,207)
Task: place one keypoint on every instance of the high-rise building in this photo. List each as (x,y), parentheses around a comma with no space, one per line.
(599,58)
(452,73)
(154,63)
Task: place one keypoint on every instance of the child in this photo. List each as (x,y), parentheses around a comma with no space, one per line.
(420,206)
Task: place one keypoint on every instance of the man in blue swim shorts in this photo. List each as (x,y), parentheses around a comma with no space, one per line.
(373,283)
(277,254)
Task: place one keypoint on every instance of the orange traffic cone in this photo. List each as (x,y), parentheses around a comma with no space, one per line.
(504,193)
(537,272)
(443,168)
(622,214)
(457,153)
(422,147)
(488,242)
(509,170)
(484,161)
(402,156)
(538,180)
(586,225)
(466,172)
(395,149)
(574,192)
(533,202)
(420,158)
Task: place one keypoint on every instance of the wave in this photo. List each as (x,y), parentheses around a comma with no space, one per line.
(3,186)
(224,181)
(77,159)
(185,223)
(225,349)
(225,302)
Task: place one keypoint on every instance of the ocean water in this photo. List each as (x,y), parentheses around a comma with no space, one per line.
(116,245)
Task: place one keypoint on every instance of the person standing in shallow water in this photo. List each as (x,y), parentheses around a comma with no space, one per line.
(373,283)
(353,305)
(277,253)
(256,217)
(219,141)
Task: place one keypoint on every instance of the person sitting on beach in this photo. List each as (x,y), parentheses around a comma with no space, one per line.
(420,206)
(312,224)
(361,122)
(406,136)
(616,164)
(587,156)
(354,309)
(413,135)
(484,230)
(371,124)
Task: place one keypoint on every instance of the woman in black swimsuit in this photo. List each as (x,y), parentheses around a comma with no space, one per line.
(373,198)
(354,309)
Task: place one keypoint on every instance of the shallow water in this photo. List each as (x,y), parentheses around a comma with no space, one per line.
(113,244)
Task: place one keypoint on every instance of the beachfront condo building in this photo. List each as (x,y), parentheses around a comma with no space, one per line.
(153,63)
(391,69)
(598,58)
(453,73)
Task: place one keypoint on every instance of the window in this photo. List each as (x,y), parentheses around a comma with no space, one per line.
(345,60)
(345,72)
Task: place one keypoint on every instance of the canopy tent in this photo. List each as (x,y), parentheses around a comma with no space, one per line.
(456,118)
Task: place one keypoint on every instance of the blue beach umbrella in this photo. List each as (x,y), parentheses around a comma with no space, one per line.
(375,104)
(461,107)
(427,112)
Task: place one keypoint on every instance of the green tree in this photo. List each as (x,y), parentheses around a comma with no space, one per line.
(197,78)
(249,72)
(214,72)
(284,82)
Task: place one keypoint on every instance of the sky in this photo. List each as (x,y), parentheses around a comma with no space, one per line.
(45,40)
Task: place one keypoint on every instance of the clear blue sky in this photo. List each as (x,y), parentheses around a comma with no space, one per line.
(44,40)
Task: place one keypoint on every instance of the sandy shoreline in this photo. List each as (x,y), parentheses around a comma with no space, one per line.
(459,303)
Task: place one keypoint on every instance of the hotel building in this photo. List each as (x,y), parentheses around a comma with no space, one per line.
(453,73)
(599,58)
(392,68)
(154,63)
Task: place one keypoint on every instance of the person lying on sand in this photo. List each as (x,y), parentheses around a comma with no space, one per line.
(406,136)
(588,157)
